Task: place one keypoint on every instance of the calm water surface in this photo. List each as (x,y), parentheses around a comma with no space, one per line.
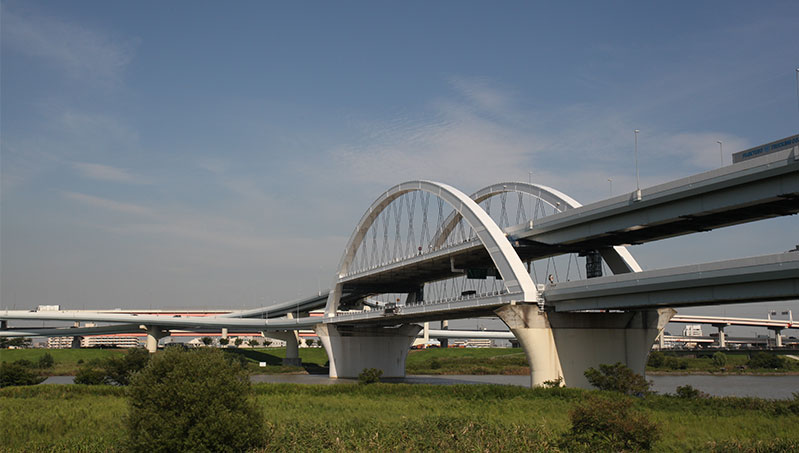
(772,387)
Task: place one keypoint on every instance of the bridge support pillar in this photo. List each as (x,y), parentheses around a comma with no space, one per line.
(566,344)
(722,341)
(76,342)
(154,334)
(777,336)
(292,346)
(351,349)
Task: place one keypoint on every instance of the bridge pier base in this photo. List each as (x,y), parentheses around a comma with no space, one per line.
(566,344)
(292,346)
(154,334)
(351,349)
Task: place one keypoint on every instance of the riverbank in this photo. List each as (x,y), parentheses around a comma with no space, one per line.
(402,417)
(434,361)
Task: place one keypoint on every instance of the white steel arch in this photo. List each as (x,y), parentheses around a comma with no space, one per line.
(506,260)
(618,258)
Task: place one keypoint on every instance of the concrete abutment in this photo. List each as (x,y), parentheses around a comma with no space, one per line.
(351,349)
(564,345)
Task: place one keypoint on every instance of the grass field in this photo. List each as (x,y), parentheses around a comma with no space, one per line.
(400,417)
(426,361)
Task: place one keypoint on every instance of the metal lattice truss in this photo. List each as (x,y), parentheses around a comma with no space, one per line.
(387,257)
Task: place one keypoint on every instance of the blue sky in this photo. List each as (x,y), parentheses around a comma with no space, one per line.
(213,154)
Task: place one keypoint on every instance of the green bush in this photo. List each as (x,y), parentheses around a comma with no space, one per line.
(689,392)
(91,375)
(618,378)
(603,424)
(656,359)
(766,360)
(369,376)
(119,370)
(720,359)
(114,370)
(46,361)
(195,400)
(675,363)
(17,374)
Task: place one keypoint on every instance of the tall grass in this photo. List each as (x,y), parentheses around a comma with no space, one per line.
(402,417)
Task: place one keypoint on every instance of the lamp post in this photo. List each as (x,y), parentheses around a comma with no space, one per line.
(637,180)
(797,89)
(610,182)
(721,152)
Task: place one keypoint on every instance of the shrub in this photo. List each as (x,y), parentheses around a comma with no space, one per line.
(46,361)
(656,359)
(253,343)
(194,400)
(369,376)
(720,359)
(688,392)
(224,341)
(602,424)
(618,378)
(765,360)
(675,364)
(90,375)
(119,370)
(16,374)
(208,341)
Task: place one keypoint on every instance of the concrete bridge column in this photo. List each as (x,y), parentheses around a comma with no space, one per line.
(292,346)
(76,342)
(444,342)
(351,349)
(777,336)
(722,341)
(566,344)
(154,333)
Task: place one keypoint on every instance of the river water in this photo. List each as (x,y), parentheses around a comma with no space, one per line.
(771,387)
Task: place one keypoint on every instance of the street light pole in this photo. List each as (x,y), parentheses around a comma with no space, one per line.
(610,182)
(721,152)
(797,89)
(637,180)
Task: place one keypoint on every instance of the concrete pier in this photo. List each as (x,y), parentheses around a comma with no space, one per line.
(351,349)
(564,345)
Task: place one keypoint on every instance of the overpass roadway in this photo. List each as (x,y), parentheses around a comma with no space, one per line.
(768,277)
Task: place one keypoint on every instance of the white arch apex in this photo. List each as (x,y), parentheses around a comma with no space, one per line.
(507,262)
(618,257)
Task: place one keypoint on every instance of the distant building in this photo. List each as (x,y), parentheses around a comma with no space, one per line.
(59,342)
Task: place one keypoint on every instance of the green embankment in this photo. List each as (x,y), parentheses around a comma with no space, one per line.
(399,417)
(428,361)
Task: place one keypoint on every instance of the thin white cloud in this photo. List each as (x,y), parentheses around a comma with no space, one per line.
(110,205)
(81,52)
(480,137)
(107,173)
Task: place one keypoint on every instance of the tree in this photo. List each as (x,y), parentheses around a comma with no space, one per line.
(765,360)
(656,359)
(267,343)
(207,341)
(46,361)
(17,374)
(618,378)
(238,342)
(224,341)
(253,343)
(195,400)
(309,342)
(603,424)
(719,359)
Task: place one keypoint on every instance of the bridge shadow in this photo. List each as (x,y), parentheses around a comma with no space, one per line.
(275,360)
